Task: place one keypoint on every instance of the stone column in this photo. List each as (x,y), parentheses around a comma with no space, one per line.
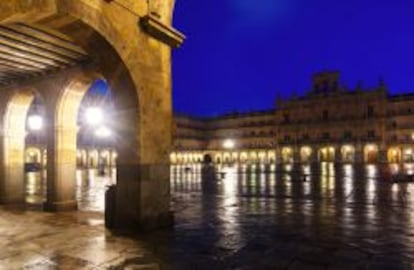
(382,154)
(296,155)
(338,155)
(13,189)
(14,107)
(61,168)
(359,154)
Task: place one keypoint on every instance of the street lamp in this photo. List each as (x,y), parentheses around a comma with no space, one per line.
(229,144)
(35,122)
(94,116)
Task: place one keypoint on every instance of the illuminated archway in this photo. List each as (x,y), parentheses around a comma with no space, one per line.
(348,154)
(327,154)
(271,156)
(306,154)
(371,153)
(408,155)
(287,155)
(262,157)
(33,155)
(142,63)
(244,157)
(173,158)
(394,155)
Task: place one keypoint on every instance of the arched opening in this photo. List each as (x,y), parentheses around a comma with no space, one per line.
(173,158)
(287,155)
(327,154)
(234,157)
(227,158)
(371,153)
(348,154)
(394,155)
(408,155)
(142,198)
(36,153)
(218,158)
(33,156)
(253,157)
(262,157)
(271,156)
(306,154)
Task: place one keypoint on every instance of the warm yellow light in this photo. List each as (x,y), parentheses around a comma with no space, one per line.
(229,144)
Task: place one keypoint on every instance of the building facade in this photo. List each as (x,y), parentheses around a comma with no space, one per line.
(330,123)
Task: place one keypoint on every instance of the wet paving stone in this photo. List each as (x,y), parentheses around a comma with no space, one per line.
(244,221)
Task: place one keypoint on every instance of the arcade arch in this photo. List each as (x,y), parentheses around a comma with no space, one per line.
(127,69)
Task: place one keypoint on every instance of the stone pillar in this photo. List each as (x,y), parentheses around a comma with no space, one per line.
(61,169)
(278,158)
(338,155)
(359,154)
(13,189)
(14,107)
(382,154)
(296,155)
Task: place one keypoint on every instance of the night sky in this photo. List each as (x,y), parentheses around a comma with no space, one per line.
(240,53)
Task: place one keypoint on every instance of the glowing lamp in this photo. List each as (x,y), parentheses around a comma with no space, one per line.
(35,122)
(228,144)
(94,116)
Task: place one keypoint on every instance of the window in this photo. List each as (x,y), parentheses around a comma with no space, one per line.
(326,135)
(370,111)
(325,87)
(347,135)
(287,138)
(286,118)
(371,134)
(325,115)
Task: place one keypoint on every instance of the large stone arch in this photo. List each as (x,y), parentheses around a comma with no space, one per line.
(132,58)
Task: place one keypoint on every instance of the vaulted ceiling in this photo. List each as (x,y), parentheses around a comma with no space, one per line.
(30,51)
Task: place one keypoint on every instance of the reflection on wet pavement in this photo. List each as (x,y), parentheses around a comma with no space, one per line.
(90,188)
(322,216)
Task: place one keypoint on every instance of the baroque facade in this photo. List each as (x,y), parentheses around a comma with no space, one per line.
(330,123)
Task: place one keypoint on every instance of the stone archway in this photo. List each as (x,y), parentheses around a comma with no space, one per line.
(394,155)
(141,68)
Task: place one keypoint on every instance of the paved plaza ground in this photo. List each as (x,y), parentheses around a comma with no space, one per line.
(344,218)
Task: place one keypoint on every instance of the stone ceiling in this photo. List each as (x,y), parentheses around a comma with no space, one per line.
(30,51)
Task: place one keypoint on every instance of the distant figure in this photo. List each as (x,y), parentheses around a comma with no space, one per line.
(208,176)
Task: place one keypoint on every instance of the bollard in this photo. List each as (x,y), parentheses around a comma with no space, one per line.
(110,206)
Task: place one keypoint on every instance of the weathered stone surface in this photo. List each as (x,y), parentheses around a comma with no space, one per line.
(137,68)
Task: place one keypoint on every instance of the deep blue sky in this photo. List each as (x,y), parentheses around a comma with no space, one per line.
(240,53)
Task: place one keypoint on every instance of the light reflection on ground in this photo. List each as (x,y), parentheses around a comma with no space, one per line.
(319,216)
(90,188)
